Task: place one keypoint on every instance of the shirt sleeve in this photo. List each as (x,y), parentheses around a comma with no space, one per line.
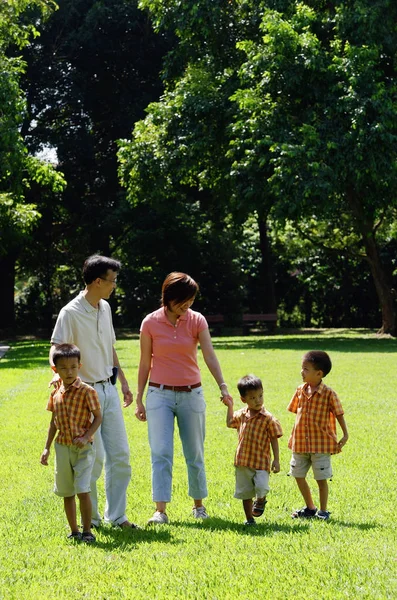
(62,333)
(275,429)
(92,399)
(335,405)
(50,403)
(293,405)
(235,422)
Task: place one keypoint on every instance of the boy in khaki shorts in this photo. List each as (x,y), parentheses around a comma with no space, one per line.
(257,430)
(313,438)
(73,404)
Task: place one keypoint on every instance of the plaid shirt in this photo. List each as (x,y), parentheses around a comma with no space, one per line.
(72,408)
(254,435)
(315,427)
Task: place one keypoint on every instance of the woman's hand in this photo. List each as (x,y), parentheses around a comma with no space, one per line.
(140,411)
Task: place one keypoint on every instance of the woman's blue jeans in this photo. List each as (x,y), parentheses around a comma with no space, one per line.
(162,407)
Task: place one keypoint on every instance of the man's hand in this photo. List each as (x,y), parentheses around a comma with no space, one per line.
(127,394)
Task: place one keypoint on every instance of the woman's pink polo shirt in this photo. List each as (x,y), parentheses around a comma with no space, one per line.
(174,348)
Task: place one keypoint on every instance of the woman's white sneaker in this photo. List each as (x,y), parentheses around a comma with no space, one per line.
(199,512)
(159,518)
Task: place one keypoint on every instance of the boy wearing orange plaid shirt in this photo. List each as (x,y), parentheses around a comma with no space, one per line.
(313,438)
(72,405)
(257,431)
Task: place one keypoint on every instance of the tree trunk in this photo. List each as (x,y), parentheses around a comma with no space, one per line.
(378,270)
(268,295)
(7,314)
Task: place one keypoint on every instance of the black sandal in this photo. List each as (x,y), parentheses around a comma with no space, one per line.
(74,535)
(88,537)
(259,507)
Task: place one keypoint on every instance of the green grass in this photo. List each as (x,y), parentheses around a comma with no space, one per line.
(352,556)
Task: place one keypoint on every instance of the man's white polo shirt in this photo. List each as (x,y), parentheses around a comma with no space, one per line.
(92,331)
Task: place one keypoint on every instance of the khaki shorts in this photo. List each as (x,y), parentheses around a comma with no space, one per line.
(320,463)
(73,467)
(251,483)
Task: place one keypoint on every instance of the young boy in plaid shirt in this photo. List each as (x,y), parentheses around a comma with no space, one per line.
(257,431)
(313,438)
(72,405)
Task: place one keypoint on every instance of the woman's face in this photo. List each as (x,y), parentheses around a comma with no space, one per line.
(180,308)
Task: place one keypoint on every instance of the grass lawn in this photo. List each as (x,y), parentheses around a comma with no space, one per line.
(354,555)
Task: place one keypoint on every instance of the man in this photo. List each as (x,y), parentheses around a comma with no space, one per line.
(87,322)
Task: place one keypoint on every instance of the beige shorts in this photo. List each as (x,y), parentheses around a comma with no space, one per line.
(320,463)
(73,467)
(251,483)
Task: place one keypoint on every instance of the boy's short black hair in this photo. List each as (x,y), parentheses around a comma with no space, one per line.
(248,383)
(320,360)
(65,351)
(97,266)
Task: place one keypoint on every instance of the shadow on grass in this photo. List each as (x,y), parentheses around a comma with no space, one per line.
(301,343)
(27,354)
(260,528)
(110,538)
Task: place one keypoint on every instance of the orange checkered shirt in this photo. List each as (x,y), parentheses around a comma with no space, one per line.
(72,408)
(315,426)
(254,435)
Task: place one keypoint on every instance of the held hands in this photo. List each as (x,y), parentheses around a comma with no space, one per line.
(55,381)
(227,400)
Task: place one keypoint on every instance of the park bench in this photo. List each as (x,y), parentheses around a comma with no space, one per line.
(248,321)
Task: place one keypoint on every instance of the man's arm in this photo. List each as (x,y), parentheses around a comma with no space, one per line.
(125,388)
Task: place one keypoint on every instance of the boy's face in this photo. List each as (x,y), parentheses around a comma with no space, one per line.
(67,369)
(310,374)
(253,399)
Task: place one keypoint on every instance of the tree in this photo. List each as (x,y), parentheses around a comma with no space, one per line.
(318,109)
(18,170)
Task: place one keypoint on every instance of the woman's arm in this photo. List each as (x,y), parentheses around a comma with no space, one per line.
(212,362)
(145,365)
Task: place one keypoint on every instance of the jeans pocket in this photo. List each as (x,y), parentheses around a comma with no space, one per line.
(197,401)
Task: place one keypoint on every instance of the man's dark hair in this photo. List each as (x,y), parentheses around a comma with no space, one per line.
(65,351)
(97,266)
(320,361)
(249,383)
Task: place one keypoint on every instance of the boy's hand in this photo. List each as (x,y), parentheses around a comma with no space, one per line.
(343,441)
(44,457)
(227,400)
(80,442)
(275,466)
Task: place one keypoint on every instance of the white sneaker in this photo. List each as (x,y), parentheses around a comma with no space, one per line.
(199,512)
(159,518)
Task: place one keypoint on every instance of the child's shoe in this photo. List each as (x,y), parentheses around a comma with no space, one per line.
(304,513)
(250,522)
(74,535)
(259,507)
(324,515)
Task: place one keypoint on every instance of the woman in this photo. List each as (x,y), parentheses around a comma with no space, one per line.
(169,339)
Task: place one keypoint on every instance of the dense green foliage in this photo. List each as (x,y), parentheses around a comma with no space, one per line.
(265,165)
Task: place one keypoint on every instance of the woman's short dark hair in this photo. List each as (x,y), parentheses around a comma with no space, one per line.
(178,287)
(320,360)
(97,266)
(249,383)
(65,351)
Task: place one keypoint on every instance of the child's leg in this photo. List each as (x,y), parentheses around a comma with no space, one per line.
(305,491)
(70,510)
(85,510)
(247,504)
(323,492)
